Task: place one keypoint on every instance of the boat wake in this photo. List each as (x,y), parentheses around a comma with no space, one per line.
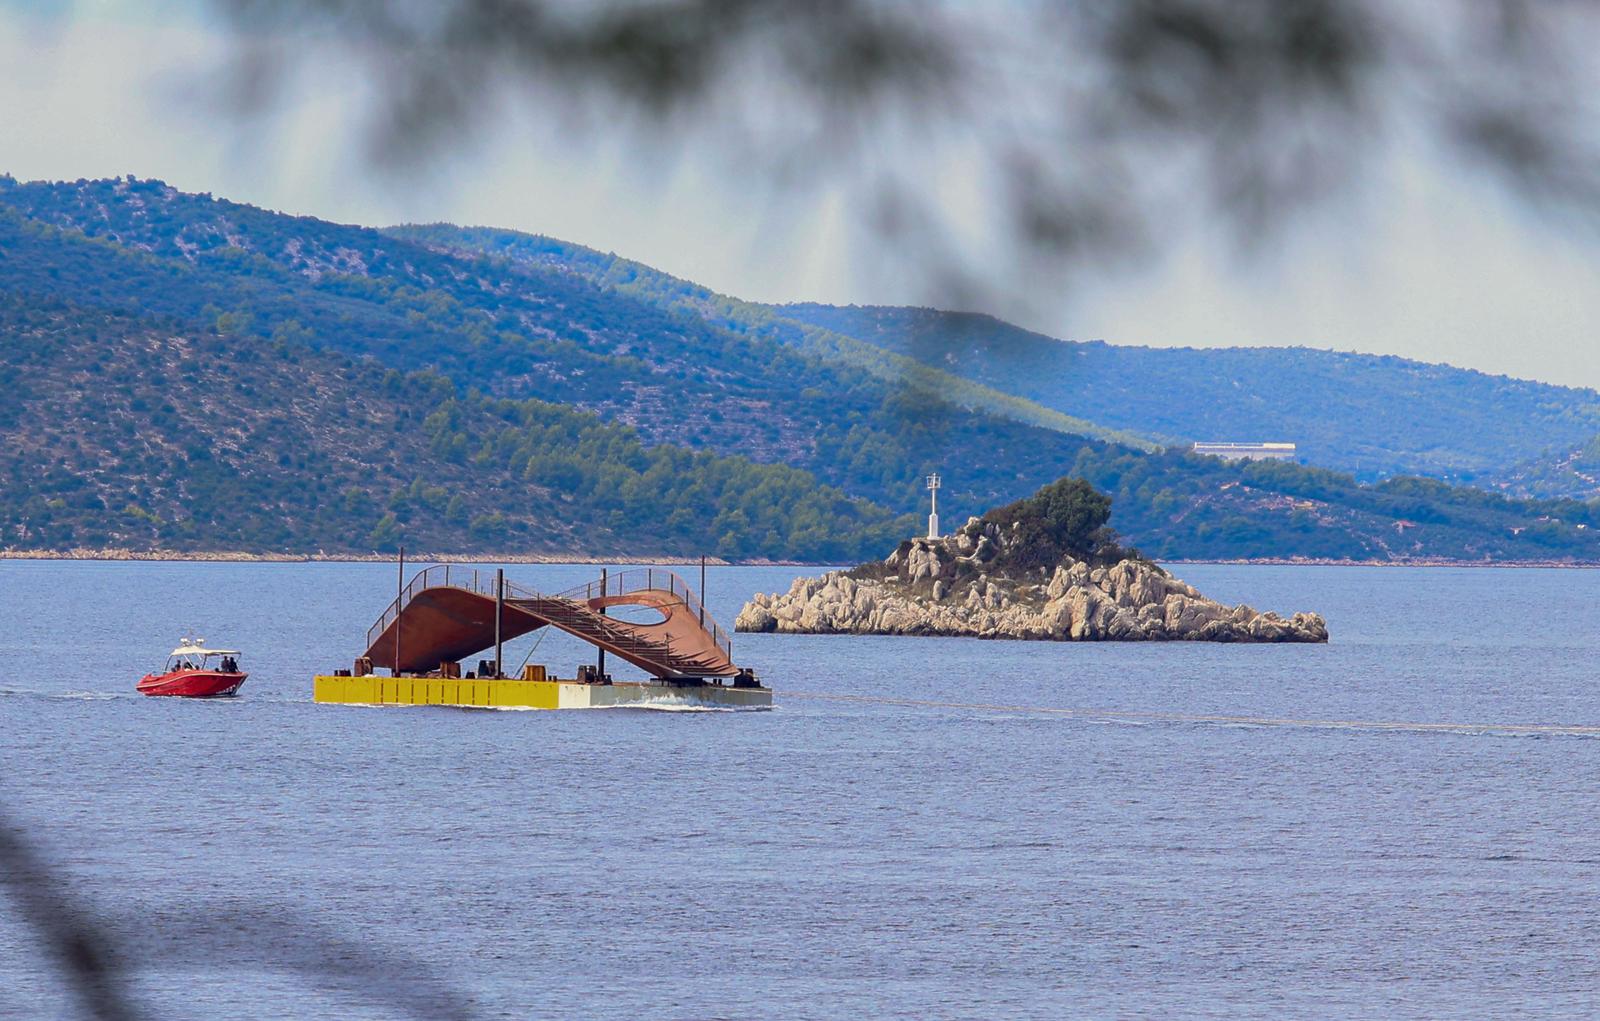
(90,696)
(655,706)
(674,706)
(65,696)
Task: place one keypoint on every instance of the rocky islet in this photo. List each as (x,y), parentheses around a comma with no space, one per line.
(959,585)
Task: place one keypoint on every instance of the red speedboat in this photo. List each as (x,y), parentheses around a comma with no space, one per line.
(194,671)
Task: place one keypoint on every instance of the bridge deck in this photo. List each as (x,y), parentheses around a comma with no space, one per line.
(443,618)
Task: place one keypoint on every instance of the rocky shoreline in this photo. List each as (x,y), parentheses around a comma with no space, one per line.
(240,557)
(945,587)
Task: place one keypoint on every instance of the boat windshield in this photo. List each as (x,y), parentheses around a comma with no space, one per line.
(195,658)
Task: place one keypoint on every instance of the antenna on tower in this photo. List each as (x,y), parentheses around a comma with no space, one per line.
(933,516)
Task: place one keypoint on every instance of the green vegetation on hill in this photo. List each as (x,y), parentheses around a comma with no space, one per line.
(193,374)
(1067,518)
(513,329)
(1177,505)
(1366,414)
(1572,471)
(136,432)
(748,319)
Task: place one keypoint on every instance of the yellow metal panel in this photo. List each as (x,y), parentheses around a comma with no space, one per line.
(442,691)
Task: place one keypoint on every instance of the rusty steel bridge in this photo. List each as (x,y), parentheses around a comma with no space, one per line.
(448,613)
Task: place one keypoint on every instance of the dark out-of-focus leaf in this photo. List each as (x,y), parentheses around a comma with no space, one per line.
(1253,108)
(99,969)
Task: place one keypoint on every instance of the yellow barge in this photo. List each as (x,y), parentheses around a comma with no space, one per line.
(444,616)
(498,693)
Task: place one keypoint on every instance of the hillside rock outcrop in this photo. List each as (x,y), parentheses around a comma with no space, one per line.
(958,586)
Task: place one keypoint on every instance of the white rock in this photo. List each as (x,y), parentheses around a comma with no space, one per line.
(1127,601)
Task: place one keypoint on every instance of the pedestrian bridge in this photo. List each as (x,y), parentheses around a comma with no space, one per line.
(447,614)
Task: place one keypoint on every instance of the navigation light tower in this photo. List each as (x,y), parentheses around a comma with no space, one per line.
(933,517)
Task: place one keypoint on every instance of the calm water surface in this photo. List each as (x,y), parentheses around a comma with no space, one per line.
(270,858)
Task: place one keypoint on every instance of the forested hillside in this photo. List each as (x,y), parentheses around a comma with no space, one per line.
(149,433)
(1369,414)
(747,319)
(1177,505)
(188,373)
(1572,471)
(513,329)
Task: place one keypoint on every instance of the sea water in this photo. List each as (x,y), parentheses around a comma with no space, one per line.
(1401,823)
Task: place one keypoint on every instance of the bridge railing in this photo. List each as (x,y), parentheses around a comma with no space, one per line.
(449,575)
(634,579)
(482,582)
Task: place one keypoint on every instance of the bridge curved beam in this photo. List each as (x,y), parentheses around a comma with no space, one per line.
(446,624)
(441,623)
(680,630)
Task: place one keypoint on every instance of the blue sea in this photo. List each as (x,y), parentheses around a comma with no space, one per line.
(1400,824)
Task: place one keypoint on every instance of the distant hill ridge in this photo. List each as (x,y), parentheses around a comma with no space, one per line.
(751,319)
(142,432)
(1371,414)
(511,328)
(475,389)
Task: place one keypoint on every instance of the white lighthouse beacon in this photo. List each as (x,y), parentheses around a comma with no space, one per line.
(933,516)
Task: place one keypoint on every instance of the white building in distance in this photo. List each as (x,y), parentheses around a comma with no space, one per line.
(1247,451)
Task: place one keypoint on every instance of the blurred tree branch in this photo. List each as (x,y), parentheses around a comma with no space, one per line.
(96,965)
(81,952)
(1094,120)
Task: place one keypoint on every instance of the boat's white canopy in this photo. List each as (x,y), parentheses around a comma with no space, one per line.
(196,650)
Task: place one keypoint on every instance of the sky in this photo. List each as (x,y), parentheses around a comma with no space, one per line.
(1423,261)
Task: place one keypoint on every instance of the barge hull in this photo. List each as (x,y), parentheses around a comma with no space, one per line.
(518,694)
